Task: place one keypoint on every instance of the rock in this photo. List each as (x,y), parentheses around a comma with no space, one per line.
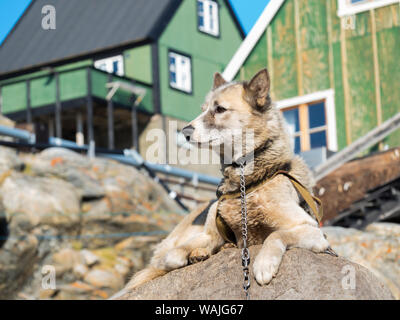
(67,258)
(17,259)
(4,121)
(9,160)
(89,257)
(69,166)
(29,201)
(104,279)
(376,248)
(80,270)
(302,275)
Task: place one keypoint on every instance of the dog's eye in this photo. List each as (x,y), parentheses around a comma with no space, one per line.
(220,109)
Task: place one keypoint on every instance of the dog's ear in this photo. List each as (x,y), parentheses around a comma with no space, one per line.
(257,89)
(218,80)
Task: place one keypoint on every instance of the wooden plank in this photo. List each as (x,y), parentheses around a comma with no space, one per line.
(299,66)
(270,61)
(110,120)
(376,73)
(349,183)
(376,70)
(346,89)
(135,135)
(330,53)
(304,127)
(89,107)
(371,138)
(58,108)
(28,102)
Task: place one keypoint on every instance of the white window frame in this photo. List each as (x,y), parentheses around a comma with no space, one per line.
(179,72)
(329,97)
(346,8)
(206,28)
(106,64)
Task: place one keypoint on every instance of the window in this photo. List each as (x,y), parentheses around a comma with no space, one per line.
(349,7)
(311,120)
(307,125)
(180,72)
(111,65)
(208,17)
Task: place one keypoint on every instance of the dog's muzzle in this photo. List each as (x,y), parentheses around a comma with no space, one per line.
(188,131)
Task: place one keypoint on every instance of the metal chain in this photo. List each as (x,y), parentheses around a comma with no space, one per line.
(245,250)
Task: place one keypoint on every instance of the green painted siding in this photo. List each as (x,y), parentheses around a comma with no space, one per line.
(319,58)
(138,64)
(73,85)
(99,80)
(209,54)
(13,97)
(283,42)
(43,91)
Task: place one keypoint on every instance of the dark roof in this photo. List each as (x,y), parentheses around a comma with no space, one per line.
(83,27)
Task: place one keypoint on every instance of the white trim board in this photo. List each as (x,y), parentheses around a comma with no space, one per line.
(329,97)
(345,8)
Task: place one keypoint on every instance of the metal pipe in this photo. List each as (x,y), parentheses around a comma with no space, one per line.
(130,157)
(16,133)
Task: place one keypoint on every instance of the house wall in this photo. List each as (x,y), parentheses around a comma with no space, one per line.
(209,54)
(306,50)
(138,64)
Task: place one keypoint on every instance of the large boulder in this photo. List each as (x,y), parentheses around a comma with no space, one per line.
(30,201)
(302,275)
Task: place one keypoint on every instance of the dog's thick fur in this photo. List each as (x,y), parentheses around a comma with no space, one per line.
(276,217)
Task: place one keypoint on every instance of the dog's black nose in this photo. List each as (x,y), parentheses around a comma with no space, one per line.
(187,132)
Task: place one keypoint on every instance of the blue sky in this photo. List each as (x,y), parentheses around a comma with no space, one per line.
(248,11)
(11,11)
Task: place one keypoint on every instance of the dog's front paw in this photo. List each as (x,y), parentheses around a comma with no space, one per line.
(265,268)
(176,258)
(199,254)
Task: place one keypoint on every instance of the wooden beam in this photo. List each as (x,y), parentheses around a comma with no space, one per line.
(330,52)
(351,151)
(304,127)
(346,88)
(299,62)
(89,108)
(28,102)
(135,136)
(155,64)
(376,69)
(270,60)
(58,108)
(79,136)
(110,123)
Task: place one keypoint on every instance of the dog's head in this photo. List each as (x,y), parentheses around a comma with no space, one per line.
(229,111)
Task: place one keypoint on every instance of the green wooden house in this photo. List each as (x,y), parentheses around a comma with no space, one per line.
(100,70)
(334,66)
